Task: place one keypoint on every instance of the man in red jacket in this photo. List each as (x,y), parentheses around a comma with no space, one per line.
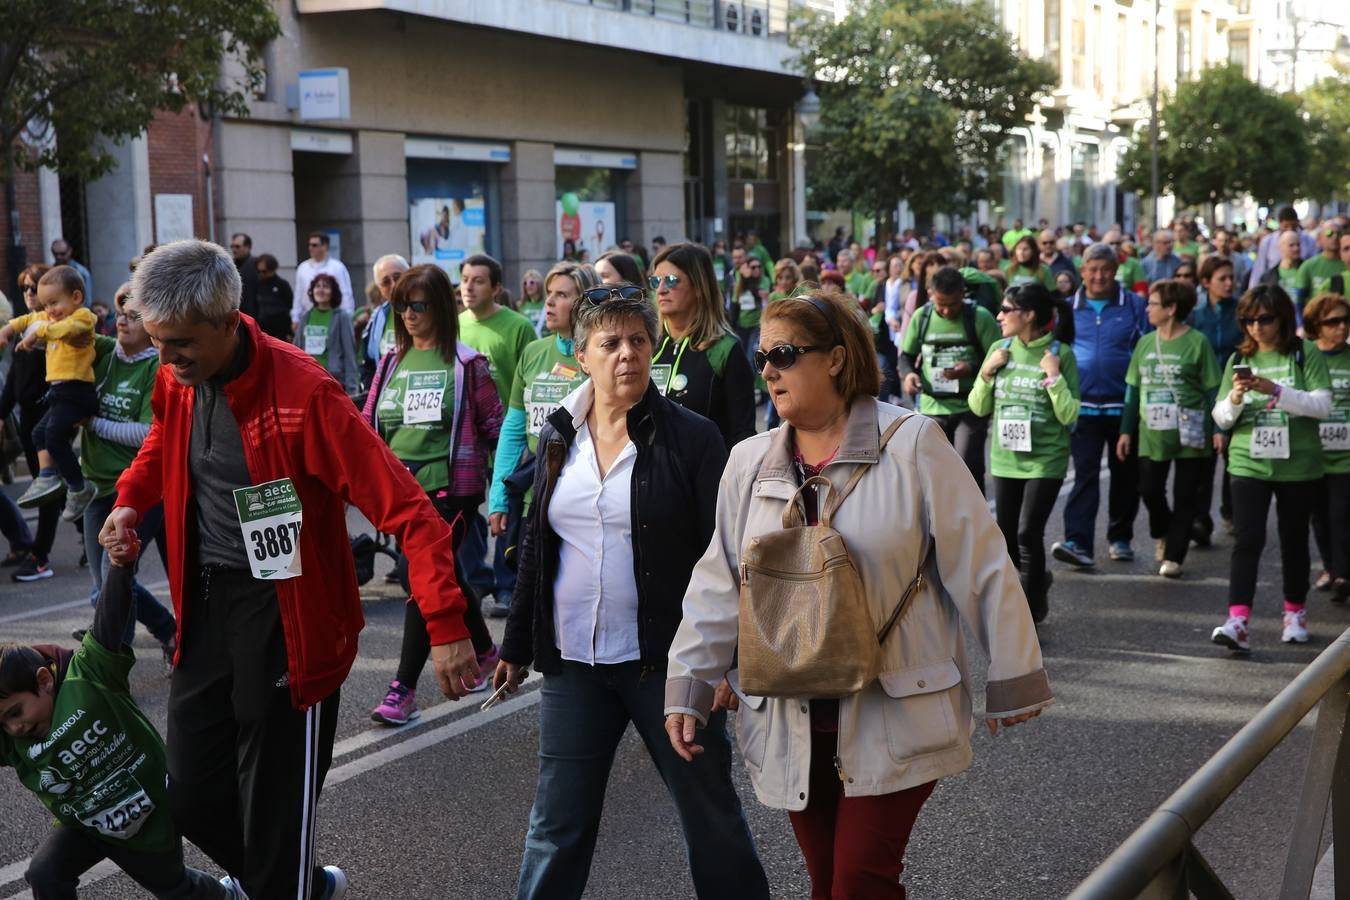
(254,451)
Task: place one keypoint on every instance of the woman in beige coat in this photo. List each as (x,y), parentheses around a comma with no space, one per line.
(853,773)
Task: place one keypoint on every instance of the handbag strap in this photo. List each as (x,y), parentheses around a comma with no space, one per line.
(835,498)
(910,593)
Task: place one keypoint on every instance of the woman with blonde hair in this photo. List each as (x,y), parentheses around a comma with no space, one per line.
(696,362)
(532,294)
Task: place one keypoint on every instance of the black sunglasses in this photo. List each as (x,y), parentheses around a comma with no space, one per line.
(1264,319)
(784,356)
(417,306)
(1333,321)
(1005,308)
(612,292)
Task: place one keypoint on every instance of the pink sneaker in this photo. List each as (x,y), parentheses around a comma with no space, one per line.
(1233,635)
(487,664)
(399,706)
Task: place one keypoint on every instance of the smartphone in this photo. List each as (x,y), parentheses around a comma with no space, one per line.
(500,694)
(1242,371)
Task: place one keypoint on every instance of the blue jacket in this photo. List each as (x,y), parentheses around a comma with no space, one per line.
(1103,345)
(1219,325)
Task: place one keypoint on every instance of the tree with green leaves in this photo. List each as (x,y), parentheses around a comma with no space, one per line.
(1222,137)
(74,71)
(916,97)
(1326,106)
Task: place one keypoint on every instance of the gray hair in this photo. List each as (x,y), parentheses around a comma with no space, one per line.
(588,316)
(185,281)
(1101,252)
(386,260)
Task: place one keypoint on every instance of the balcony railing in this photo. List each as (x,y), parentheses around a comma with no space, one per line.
(768,19)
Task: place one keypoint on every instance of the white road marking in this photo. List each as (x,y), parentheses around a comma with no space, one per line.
(69,604)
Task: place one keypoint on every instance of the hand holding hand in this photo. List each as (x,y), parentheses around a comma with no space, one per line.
(119,529)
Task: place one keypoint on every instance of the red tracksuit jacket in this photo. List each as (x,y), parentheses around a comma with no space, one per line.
(297,423)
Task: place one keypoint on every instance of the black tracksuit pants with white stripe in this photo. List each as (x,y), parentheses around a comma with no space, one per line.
(245,766)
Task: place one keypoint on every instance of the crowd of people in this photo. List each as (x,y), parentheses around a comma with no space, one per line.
(606,461)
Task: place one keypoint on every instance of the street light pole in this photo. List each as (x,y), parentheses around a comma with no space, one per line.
(1153,117)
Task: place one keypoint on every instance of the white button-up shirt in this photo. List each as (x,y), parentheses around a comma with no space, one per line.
(595,599)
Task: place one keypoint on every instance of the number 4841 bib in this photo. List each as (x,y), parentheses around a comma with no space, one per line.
(270,517)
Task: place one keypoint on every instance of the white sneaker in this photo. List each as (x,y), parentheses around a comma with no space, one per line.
(1295,627)
(1233,635)
(1170,569)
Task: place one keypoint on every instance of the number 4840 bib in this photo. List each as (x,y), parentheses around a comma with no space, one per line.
(270,517)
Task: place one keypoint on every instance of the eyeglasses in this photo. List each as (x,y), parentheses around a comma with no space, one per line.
(784,356)
(1264,319)
(1005,308)
(124,316)
(1333,321)
(656,281)
(417,306)
(30,289)
(612,292)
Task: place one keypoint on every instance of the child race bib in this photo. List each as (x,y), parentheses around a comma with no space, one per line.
(116,808)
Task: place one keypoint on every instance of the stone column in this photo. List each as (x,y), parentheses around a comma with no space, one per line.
(527,215)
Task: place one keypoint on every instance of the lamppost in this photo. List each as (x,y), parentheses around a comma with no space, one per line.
(808,116)
(1153,118)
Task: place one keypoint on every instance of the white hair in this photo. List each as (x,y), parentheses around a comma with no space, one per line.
(185,281)
(389,259)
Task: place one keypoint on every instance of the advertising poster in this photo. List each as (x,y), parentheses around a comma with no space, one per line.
(583,225)
(446,231)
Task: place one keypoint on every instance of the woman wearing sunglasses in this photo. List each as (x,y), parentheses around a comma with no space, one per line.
(434,402)
(625,491)
(1275,389)
(854,772)
(547,372)
(1327,320)
(696,361)
(1029,382)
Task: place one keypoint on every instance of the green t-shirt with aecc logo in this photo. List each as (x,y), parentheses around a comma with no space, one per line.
(1335,431)
(544,377)
(940,345)
(1287,447)
(1289,280)
(315,339)
(387,337)
(534,311)
(124,390)
(502,338)
(416,413)
(1314,276)
(1175,395)
(101,769)
(1031,421)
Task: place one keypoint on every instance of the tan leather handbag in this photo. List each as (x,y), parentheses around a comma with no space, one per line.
(805,630)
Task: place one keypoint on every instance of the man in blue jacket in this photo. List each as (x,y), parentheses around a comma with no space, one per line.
(1108,320)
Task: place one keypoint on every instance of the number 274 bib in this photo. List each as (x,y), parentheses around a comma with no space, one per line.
(270,517)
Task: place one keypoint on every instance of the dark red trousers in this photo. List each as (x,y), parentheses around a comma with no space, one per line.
(854,846)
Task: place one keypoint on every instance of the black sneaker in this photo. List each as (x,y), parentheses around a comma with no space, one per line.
(32,570)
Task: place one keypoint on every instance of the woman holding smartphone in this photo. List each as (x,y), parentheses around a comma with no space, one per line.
(1274,390)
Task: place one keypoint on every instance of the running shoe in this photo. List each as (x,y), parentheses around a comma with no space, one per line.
(496,609)
(32,570)
(399,707)
(1340,589)
(1323,582)
(13,558)
(487,664)
(1160,550)
(1170,569)
(42,491)
(76,501)
(1071,553)
(1121,551)
(1200,534)
(1233,635)
(1295,627)
(334,885)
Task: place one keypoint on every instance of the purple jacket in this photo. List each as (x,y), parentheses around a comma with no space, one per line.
(475,435)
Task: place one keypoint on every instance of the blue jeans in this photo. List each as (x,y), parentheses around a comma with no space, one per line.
(1090,436)
(496,579)
(150,612)
(583,715)
(13,526)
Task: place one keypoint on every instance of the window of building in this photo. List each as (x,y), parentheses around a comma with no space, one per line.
(1146,52)
(1239,51)
(752,141)
(1085,161)
(1052,31)
(1078,45)
(1183,46)
(1122,58)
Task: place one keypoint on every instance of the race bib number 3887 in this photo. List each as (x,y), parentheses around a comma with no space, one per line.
(270,517)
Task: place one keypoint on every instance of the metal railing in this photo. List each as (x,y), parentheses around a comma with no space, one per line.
(1159,860)
(754,18)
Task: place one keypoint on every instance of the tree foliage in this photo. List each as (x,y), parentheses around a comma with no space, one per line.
(1221,137)
(74,70)
(916,98)
(1326,106)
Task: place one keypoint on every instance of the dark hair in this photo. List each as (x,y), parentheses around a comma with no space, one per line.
(482,259)
(334,288)
(1175,293)
(435,287)
(624,263)
(948,280)
(266,261)
(1036,298)
(64,277)
(825,319)
(243,238)
(322,238)
(1268,298)
(1286,214)
(1318,308)
(18,669)
(1035,264)
(1211,266)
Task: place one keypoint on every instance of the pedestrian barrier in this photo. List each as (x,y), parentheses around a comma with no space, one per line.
(1159,860)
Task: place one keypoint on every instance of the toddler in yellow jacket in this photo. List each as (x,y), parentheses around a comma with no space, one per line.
(61,320)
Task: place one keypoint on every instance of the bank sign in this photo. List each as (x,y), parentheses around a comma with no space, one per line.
(325,94)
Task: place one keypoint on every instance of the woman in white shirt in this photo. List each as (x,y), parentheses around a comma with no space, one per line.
(624,495)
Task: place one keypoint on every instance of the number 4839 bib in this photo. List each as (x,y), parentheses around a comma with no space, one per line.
(270,517)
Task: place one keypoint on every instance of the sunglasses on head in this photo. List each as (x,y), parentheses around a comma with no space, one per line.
(656,281)
(1263,319)
(417,306)
(784,356)
(612,292)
